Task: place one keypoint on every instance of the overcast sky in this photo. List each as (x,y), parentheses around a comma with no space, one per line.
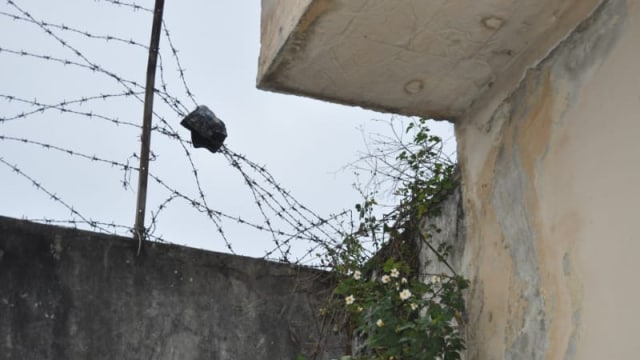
(304,143)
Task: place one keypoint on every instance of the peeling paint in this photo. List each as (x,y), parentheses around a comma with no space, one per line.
(532,250)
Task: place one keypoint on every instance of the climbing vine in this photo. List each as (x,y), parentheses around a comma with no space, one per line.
(387,304)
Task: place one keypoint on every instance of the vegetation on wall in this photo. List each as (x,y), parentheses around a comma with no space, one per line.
(389,306)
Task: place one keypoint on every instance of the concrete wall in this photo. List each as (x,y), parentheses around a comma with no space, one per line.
(412,57)
(276,25)
(69,294)
(448,228)
(551,199)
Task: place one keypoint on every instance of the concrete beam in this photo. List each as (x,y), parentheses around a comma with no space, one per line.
(413,57)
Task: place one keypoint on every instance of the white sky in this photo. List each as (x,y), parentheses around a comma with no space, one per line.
(304,143)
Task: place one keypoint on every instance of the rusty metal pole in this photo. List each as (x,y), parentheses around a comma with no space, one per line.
(143,174)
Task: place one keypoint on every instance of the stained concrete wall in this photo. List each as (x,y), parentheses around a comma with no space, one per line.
(551,201)
(447,228)
(69,294)
(412,57)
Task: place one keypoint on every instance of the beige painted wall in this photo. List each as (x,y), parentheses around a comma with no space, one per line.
(551,191)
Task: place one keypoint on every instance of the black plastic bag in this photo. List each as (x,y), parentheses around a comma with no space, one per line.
(207,130)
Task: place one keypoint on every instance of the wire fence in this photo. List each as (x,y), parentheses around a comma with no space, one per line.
(68,143)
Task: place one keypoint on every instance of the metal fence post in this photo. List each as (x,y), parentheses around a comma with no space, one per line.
(143,175)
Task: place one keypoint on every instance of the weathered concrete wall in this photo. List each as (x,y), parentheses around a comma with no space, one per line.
(448,228)
(69,294)
(550,188)
(276,25)
(412,57)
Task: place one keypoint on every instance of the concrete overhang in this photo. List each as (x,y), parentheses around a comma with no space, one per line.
(431,58)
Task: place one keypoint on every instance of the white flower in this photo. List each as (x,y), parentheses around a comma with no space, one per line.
(357,275)
(385,279)
(359,308)
(349,299)
(380,323)
(395,273)
(404,280)
(405,294)
(414,306)
(435,279)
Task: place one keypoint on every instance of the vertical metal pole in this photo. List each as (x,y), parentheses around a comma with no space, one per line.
(143,174)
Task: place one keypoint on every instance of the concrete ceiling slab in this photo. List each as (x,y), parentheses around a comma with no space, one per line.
(414,57)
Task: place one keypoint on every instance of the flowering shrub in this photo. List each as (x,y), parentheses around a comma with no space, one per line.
(389,309)
(395,317)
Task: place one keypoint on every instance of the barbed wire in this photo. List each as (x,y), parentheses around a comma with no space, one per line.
(86,63)
(53,196)
(131,5)
(288,222)
(73,30)
(285,212)
(181,70)
(63,107)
